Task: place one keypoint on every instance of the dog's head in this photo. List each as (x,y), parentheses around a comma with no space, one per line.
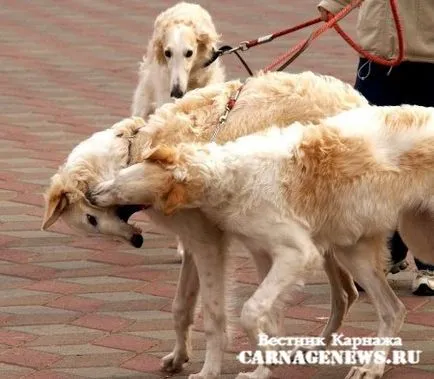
(163,180)
(183,45)
(94,160)
(70,204)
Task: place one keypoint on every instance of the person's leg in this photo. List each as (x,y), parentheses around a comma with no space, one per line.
(418,83)
(398,251)
(423,283)
(380,85)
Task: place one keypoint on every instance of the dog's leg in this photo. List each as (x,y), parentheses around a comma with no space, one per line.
(210,263)
(263,263)
(142,100)
(276,316)
(289,265)
(183,314)
(361,260)
(343,295)
(416,229)
(207,245)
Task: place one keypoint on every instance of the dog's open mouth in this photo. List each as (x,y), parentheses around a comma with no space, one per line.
(124,212)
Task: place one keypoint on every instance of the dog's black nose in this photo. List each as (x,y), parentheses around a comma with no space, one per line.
(176,92)
(136,240)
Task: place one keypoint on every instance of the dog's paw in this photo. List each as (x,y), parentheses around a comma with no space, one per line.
(174,361)
(358,372)
(103,194)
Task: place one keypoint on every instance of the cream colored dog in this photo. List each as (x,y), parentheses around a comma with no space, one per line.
(302,192)
(183,41)
(269,99)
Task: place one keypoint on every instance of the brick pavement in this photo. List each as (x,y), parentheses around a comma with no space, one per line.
(82,308)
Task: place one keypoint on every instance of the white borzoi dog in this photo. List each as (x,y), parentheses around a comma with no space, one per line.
(183,41)
(301,193)
(274,98)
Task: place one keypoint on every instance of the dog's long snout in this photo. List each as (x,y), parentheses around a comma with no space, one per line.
(176,92)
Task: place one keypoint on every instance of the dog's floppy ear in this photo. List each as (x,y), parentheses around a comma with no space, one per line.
(56,201)
(207,38)
(175,198)
(162,154)
(158,50)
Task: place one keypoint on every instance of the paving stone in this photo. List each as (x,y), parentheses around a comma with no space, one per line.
(76,303)
(83,349)
(93,360)
(49,330)
(50,374)
(104,372)
(13,371)
(102,322)
(141,315)
(28,358)
(128,342)
(15,338)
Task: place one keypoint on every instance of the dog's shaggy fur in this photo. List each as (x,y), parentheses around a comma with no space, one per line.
(183,40)
(301,192)
(269,99)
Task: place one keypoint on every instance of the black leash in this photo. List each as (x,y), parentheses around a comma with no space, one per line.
(226,49)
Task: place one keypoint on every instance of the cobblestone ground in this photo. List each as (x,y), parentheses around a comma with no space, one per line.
(82,308)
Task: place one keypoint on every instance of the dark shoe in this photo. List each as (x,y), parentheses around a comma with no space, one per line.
(423,284)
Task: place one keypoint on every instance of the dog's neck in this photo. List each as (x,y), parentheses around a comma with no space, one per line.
(216,174)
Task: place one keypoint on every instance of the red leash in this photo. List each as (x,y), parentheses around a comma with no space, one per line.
(270,37)
(399,31)
(293,53)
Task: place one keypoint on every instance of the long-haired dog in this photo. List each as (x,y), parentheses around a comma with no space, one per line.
(183,41)
(301,192)
(268,99)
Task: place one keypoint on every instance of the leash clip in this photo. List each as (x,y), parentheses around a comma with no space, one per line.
(243,46)
(224,116)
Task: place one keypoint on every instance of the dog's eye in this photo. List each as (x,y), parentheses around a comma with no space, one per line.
(167,53)
(92,220)
(188,53)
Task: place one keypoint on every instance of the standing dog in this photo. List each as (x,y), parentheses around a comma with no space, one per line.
(268,99)
(299,193)
(183,41)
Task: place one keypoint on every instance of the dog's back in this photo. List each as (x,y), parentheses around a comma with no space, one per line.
(355,174)
(350,176)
